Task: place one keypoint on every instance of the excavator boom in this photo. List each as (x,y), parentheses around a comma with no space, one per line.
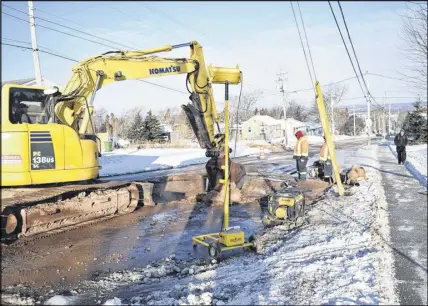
(94,73)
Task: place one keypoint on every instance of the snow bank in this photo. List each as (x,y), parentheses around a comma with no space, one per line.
(126,161)
(417,155)
(416,161)
(61,300)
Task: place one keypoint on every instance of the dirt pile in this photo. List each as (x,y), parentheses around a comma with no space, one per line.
(313,190)
(353,175)
(182,188)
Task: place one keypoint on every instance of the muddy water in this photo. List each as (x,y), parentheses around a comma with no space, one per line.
(125,242)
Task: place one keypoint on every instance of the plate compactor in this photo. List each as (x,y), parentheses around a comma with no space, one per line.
(285,207)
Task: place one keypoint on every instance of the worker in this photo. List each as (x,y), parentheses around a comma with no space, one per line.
(325,161)
(401,142)
(21,113)
(301,155)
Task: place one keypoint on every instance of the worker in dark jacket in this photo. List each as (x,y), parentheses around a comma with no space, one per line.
(400,142)
(21,113)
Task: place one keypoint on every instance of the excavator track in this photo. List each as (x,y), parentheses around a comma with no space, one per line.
(55,209)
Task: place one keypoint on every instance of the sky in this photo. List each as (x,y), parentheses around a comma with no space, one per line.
(260,37)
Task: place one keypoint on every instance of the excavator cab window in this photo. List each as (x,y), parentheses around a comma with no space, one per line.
(28,106)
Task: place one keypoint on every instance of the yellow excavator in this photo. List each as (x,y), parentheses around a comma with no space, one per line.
(50,152)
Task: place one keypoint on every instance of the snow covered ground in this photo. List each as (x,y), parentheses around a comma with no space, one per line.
(339,256)
(417,156)
(126,161)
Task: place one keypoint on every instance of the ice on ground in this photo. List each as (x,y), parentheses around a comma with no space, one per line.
(126,161)
(16,299)
(61,300)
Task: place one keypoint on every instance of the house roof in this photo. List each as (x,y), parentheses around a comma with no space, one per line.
(19,81)
(268,120)
(31,81)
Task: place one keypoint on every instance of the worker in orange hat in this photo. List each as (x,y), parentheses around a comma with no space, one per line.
(325,161)
(301,149)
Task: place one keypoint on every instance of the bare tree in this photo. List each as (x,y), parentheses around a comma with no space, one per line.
(414,34)
(244,109)
(334,93)
(276,112)
(99,120)
(169,115)
(183,126)
(297,111)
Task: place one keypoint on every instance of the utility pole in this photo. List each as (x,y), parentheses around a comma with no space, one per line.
(34,44)
(280,82)
(353,107)
(379,122)
(384,117)
(368,113)
(332,118)
(389,118)
(389,115)
(375,127)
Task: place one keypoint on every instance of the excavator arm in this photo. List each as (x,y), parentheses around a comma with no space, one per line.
(74,106)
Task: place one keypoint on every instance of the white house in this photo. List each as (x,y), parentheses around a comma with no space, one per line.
(262,127)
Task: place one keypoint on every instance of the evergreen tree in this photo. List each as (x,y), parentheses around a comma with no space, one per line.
(256,110)
(415,124)
(152,129)
(136,129)
(348,127)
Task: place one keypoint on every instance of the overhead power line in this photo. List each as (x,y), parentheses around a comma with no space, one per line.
(139,19)
(79,24)
(26,42)
(70,28)
(65,33)
(353,50)
(167,16)
(347,51)
(307,41)
(385,76)
(303,47)
(43,51)
(165,87)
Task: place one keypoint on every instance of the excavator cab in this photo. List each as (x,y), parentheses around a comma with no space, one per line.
(37,151)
